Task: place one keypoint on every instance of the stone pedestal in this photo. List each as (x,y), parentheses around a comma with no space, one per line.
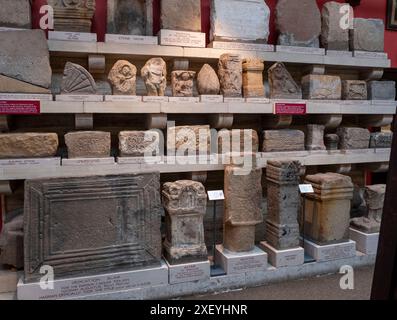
(253,78)
(189,272)
(329,252)
(327,210)
(185,204)
(230,72)
(283,204)
(243,197)
(366,243)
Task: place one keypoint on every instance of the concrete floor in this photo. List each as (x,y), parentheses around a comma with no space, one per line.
(318,288)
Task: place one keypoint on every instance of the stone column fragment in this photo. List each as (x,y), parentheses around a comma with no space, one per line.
(315,137)
(367,35)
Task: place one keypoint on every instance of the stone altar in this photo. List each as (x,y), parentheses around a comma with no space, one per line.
(113,219)
(123,78)
(354,90)
(283,203)
(88,144)
(327,210)
(181,15)
(207,81)
(16,14)
(321,87)
(77,80)
(154,74)
(283,140)
(282,85)
(182,83)
(381,90)
(139,143)
(253,78)
(230,72)
(367,35)
(315,137)
(353,138)
(185,204)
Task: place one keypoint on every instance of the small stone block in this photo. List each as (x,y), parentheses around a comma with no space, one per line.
(366,242)
(382,90)
(284,258)
(189,272)
(330,252)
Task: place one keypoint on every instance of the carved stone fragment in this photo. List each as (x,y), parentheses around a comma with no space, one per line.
(181,15)
(381,140)
(253,78)
(353,138)
(283,140)
(238,141)
(182,83)
(139,143)
(282,85)
(321,87)
(381,90)
(123,78)
(11,243)
(77,80)
(154,74)
(207,81)
(188,140)
(354,90)
(88,144)
(230,71)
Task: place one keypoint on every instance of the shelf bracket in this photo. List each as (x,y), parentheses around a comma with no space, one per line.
(5,188)
(84,121)
(221,120)
(156,121)
(375,167)
(330,121)
(96,64)
(376,120)
(4,127)
(372,74)
(277,121)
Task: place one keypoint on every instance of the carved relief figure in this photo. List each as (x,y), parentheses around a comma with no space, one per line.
(281,83)
(230,71)
(182,83)
(123,78)
(154,74)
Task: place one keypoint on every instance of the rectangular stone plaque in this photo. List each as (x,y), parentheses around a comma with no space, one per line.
(330,252)
(241,46)
(235,263)
(79,97)
(46,162)
(181,38)
(72,36)
(184,99)
(257,100)
(123,98)
(233,99)
(114,220)
(25,96)
(139,160)
(303,50)
(131,39)
(155,99)
(211,98)
(366,242)
(339,53)
(88,162)
(189,272)
(370,55)
(284,258)
(89,286)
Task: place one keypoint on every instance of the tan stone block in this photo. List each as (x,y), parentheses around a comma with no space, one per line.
(88,144)
(11,85)
(189,140)
(139,143)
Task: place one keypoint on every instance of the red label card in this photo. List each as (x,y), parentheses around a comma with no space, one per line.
(290,108)
(19,107)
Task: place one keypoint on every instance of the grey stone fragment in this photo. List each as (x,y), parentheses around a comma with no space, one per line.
(77,80)
(381,90)
(11,243)
(354,90)
(281,83)
(315,137)
(367,35)
(333,37)
(139,143)
(381,140)
(321,87)
(16,14)
(24,56)
(353,138)
(181,15)
(283,140)
(115,220)
(88,144)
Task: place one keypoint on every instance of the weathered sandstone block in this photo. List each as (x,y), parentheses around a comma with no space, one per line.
(321,87)
(88,144)
(139,143)
(283,140)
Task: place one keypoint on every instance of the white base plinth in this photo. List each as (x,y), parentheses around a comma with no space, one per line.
(130,39)
(72,36)
(284,258)
(88,161)
(229,45)
(90,286)
(233,99)
(257,100)
(181,38)
(330,252)
(366,242)
(116,98)
(236,263)
(79,97)
(189,272)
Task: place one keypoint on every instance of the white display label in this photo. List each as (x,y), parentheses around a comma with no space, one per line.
(306,188)
(216,195)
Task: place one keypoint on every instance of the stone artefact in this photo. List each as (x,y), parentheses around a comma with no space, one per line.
(283,204)
(130,17)
(10,85)
(238,141)
(123,78)
(315,137)
(73,15)
(11,243)
(381,90)
(283,140)
(331,141)
(16,14)
(207,81)
(115,220)
(381,140)
(354,90)
(243,197)
(182,83)
(181,15)
(188,140)
(374,198)
(230,72)
(77,80)
(28,145)
(298,22)
(239,20)
(353,138)
(88,144)
(367,35)
(253,78)
(333,37)
(154,74)
(24,57)
(281,83)
(321,87)
(139,143)
(185,204)
(327,210)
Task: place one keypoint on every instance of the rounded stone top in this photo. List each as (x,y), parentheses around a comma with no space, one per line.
(330,180)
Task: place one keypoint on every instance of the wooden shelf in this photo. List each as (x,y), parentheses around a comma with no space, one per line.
(307,158)
(83,49)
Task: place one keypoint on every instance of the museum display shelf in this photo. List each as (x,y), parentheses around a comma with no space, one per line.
(19,169)
(84,49)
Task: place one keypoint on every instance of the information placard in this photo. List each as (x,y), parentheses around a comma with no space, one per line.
(290,108)
(216,195)
(22,107)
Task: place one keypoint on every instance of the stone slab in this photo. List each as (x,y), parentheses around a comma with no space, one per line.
(367,35)
(16,14)
(87,162)
(79,97)
(181,15)
(236,263)
(382,90)
(184,99)
(366,242)
(224,45)
(339,53)
(140,160)
(211,98)
(189,272)
(25,96)
(370,55)
(72,288)
(283,140)
(72,36)
(329,252)
(155,99)
(129,39)
(39,162)
(11,85)
(284,258)
(303,50)
(181,38)
(114,98)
